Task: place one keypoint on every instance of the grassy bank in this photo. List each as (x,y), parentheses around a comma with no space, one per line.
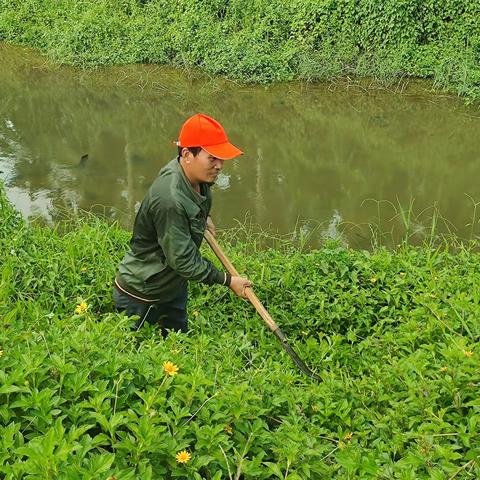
(261,40)
(394,336)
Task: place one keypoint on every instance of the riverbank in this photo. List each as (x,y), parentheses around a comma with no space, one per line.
(261,42)
(393,334)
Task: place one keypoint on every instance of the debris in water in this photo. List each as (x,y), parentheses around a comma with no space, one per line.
(83,160)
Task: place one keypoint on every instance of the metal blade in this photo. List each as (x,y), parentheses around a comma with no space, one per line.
(300,364)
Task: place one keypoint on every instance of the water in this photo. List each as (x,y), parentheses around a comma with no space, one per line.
(322,161)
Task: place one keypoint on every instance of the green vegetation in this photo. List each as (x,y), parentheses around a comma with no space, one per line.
(261,40)
(394,336)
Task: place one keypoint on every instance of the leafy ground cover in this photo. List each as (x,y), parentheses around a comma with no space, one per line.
(393,334)
(261,40)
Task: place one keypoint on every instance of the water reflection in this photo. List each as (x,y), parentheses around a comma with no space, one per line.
(314,154)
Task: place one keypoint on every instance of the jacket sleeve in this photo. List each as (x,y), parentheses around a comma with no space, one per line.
(181,253)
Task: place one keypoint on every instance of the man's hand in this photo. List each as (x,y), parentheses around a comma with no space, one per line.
(211,226)
(239,284)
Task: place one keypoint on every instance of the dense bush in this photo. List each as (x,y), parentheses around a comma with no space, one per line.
(261,40)
(394,336)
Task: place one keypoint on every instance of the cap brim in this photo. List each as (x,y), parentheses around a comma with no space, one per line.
(223,151)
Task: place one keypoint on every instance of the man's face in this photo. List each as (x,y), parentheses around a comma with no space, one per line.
(204,168)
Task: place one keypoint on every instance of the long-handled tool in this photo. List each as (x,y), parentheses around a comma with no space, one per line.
(260,308)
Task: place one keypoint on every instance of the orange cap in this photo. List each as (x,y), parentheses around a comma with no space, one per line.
(203,131)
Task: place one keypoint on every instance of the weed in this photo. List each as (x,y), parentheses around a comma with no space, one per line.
(261,41)
(393,334)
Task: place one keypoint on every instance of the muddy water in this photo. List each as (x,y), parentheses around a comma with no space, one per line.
(332,160)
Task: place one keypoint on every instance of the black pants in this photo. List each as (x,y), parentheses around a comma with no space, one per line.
(168,316)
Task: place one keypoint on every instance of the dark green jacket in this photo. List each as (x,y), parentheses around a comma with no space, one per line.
(168,230)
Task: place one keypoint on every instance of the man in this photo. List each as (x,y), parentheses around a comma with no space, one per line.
(164,254)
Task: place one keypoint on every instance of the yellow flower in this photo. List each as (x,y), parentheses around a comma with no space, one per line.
(443,369)
(82,308)
(348,437)
(170,368)
(83,269)
(402,274)
(1,352)
(373,279)
(468,353)
(183,456)
(196,313)
(229,429)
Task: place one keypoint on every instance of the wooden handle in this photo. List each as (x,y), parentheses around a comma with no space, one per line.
(260,308)
(249,291)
